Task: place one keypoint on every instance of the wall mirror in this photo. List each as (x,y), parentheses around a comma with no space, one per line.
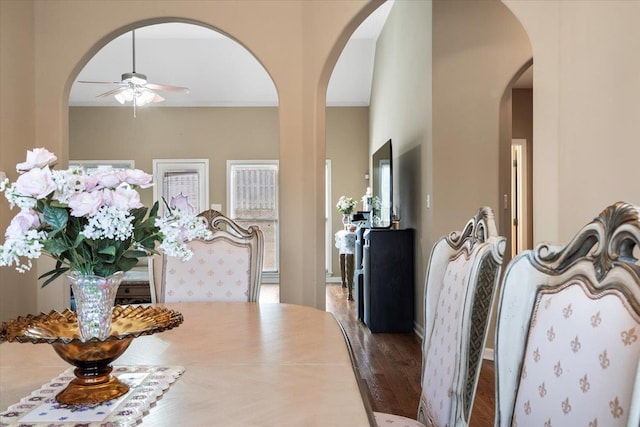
(382,186)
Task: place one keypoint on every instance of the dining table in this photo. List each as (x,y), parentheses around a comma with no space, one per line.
(245,364)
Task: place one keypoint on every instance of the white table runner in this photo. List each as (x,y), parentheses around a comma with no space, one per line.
(147,384)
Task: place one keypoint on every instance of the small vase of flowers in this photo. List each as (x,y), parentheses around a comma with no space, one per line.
(345,206)
(95,228)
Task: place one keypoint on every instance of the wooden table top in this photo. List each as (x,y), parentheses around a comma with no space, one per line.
(246,364)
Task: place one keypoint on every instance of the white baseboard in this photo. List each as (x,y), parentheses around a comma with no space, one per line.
(419,330)
(488,354)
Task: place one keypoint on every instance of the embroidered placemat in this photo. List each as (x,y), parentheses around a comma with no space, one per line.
(147,384)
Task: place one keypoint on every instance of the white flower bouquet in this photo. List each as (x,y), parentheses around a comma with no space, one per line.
(92,223)
(345,205)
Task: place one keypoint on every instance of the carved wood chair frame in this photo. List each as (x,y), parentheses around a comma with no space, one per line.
(602,258)
(225,229)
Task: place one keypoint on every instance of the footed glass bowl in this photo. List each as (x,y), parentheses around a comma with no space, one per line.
(94,382)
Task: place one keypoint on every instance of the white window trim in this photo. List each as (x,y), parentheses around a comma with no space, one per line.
(267,277)
(200,166)
(99,164)
(327,220)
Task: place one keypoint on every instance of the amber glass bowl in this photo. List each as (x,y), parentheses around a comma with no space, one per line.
(92,359)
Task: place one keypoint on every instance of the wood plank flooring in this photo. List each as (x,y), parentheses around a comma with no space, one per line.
(390,365)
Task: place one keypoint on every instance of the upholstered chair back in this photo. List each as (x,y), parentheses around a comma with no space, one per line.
(463,271)
(226,267)
(460,285)
(568,329)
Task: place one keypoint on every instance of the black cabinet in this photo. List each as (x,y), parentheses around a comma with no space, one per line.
(387,280)
(358,273)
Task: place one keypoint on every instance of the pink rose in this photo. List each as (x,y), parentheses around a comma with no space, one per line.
(85,204)
(38,158)
(181,203)
(137,177)
(123,197)
(108,179)
(90,182)
(37,183)
(22,222)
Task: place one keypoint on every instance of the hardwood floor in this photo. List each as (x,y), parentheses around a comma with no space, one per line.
(390,365)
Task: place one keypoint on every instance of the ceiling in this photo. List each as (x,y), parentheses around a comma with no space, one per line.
(218,71)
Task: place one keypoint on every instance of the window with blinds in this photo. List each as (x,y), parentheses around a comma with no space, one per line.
(186,183)
(253,200)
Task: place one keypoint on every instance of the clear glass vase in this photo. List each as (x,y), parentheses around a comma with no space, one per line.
(346,220)
(94,298)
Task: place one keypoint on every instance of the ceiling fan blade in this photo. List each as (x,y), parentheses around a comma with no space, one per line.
(167,88)
(157,98)
(112,92)
(99,83)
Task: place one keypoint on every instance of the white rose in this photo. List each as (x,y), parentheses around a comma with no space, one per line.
(37,158)
(37,183)
(85,204)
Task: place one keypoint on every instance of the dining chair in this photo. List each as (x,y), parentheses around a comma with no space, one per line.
(463,271)
(226,267)
(568,329)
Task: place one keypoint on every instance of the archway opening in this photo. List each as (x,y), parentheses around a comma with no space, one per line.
(227,123)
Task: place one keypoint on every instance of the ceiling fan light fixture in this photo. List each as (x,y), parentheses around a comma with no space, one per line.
(124,96)
(145,97)
(135,78)
(135,88)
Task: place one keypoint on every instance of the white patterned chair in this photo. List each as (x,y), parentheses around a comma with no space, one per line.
(463,271)
(226,267)
(568,329)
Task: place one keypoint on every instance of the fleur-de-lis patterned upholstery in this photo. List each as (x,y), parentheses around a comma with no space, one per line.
(227,267)
(568,329)
(463,271)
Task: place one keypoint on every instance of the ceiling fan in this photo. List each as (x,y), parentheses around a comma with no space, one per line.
(135,88)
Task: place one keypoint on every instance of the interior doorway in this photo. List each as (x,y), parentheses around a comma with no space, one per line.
(518,195)
(516,163)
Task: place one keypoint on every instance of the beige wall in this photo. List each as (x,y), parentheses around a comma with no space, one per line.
(219,134)
(586,109)
(17,291)
(401,111)
(478,48)
(522,119)
(348,150)
(298,45)
(442,111)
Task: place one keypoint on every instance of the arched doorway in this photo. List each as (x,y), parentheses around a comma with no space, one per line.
(441,69)
(228,118)
(516,154)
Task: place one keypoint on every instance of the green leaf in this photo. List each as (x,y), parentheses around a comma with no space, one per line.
(134,254)
(126,264)
(54,275)
(109,250)
(55,246)
(154,210)
(56,217)
(138,215)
